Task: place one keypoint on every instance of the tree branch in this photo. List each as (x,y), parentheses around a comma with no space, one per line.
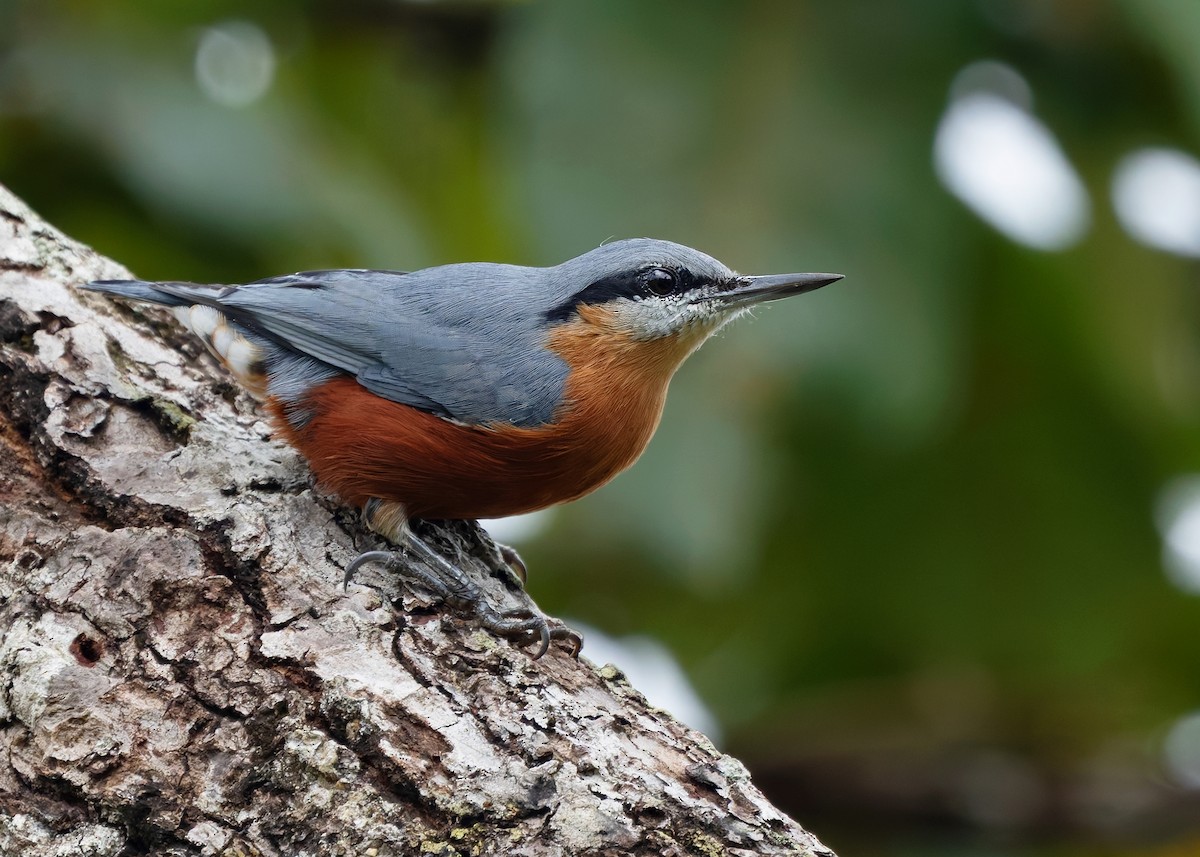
(181,672)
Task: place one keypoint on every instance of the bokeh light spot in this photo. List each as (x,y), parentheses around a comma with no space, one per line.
(1156,193)
(1181,751)
(235,63)
(1006,165)
(1179,522)
(518,528)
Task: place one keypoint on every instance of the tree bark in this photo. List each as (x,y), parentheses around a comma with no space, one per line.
(181,671)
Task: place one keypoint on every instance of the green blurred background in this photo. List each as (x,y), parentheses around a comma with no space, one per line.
(926,542)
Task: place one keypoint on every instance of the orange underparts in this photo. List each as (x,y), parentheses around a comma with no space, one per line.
(362,446)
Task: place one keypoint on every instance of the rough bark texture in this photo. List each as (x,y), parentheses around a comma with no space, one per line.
(181,672)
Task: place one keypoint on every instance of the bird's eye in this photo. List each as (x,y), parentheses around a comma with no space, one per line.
(660,281)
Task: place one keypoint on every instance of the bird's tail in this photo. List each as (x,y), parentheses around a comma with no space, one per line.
(231,344)
(138,290)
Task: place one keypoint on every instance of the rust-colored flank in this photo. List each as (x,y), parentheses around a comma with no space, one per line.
(362,446)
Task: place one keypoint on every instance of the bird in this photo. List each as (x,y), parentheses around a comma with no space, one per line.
(469,390)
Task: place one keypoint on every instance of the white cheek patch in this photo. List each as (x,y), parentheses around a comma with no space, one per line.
(647,319)
(651,319)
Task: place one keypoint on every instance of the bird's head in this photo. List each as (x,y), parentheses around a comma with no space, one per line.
(643,290)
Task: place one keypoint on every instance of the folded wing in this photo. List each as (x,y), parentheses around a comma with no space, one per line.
(463,354)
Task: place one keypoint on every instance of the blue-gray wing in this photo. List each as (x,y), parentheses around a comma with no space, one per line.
(453,341)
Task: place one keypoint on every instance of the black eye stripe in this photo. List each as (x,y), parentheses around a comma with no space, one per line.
(639,283)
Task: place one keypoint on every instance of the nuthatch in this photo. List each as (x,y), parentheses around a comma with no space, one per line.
(474,390)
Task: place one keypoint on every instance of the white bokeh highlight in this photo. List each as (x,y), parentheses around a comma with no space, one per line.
(1156,194)
(1178,518)
(518,528)
(1181,751)
(235,63)
(1005,164)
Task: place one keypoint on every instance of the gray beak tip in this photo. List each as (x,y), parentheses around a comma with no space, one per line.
(821,280)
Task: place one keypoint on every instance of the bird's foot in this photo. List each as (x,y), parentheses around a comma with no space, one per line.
(447,581)
(524,627)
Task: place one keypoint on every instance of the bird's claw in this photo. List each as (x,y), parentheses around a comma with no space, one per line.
(521,631)
(515,564)
(522,626)
(362,559)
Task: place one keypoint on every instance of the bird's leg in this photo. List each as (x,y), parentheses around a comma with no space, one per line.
(452,584)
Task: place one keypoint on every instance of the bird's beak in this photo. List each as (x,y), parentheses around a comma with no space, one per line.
(771,287)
